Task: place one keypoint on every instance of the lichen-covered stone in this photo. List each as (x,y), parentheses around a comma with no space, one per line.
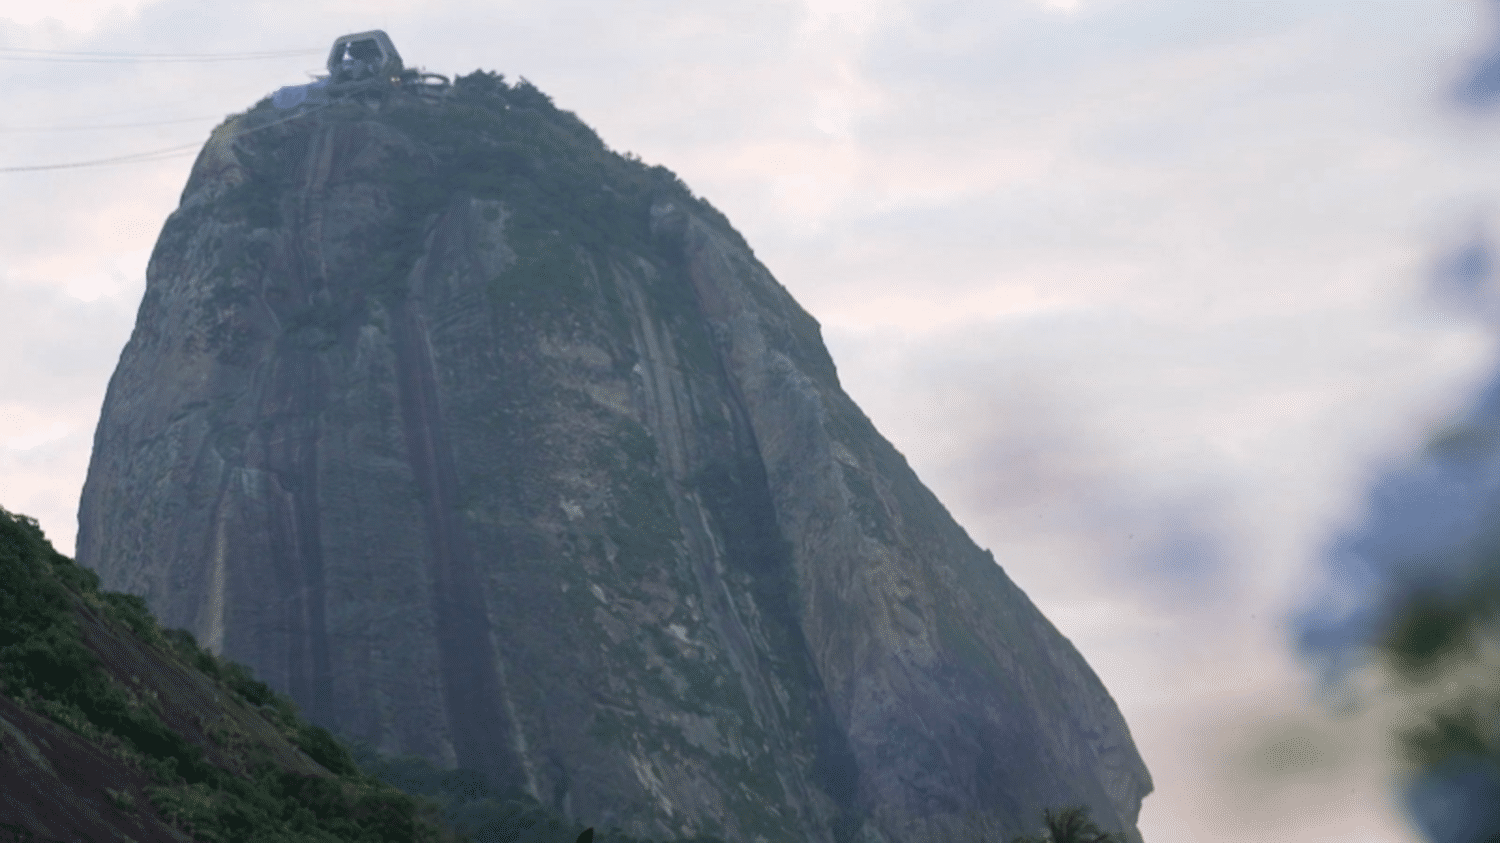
(489,445)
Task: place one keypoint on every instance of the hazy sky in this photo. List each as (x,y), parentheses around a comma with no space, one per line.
(1140,287)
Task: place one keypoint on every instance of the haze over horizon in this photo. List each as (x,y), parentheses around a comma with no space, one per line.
(1141,288)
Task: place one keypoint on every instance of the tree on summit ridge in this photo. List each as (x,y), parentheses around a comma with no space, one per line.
(1070,825)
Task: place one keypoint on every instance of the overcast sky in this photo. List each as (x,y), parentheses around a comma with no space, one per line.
(1140,287)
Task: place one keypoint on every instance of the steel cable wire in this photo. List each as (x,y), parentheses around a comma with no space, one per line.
(156,154)
(78,56)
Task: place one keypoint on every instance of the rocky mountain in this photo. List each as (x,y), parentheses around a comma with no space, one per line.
(492,446)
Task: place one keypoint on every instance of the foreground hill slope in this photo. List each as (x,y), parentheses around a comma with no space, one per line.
(491,446)
(112,729)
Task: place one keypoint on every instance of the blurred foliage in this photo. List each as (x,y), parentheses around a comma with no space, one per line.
(1440,645)
(1428,630)
(1462,443)
(1464,728)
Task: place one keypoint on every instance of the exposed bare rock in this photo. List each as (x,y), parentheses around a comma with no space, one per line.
(489,445)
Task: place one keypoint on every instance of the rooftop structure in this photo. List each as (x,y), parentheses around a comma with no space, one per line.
(362,65)
(363,55)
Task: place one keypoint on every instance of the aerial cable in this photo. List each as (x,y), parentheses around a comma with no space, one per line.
(128,54)
(156,154)
(153,155)
(19,54)
(4,129)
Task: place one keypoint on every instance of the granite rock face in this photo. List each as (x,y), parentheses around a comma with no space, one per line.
(490,445)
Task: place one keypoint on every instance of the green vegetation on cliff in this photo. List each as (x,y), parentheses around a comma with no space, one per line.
(233,789)
(49,665)
(571,201)
(1070,825)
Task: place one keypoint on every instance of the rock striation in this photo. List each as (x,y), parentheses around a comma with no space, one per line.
(489,445)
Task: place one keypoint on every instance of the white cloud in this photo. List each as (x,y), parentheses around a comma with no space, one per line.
(55,16)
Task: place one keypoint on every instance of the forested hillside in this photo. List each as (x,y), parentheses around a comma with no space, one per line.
(113,728)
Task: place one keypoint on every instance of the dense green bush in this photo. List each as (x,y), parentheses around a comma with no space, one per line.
(322,747)
(131,610)
(32,598)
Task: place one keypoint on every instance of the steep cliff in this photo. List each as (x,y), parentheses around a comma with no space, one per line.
(489,445)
